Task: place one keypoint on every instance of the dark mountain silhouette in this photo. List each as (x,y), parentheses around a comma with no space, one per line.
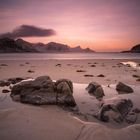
(134,49)
(8,45)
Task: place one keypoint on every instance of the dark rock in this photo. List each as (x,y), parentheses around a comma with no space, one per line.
(121,108)
(15,80)
(64,88)
(5,91)
(136,110)
(131,118)
(39,91)
(58,65)
(92,65)
(123,88)
(43,91)
(80,71)
(100,75)
(3,65)
(136,76)
(4,83)
(96,90)
(88,75)
(124,106)
(30,71)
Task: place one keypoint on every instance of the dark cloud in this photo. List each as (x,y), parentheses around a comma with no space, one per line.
(28,31)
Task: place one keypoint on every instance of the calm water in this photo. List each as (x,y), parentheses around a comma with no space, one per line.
(44,56)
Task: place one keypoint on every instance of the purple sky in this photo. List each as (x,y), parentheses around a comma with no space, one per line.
(104,25)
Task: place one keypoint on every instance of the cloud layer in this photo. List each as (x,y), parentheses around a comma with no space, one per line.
(29,31)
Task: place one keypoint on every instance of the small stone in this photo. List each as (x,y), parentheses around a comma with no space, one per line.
(100,75)
(92,65)
(3,65)
(80,71)
(5,91)
(30,71)
(58,65)
(136,76)
(88,75)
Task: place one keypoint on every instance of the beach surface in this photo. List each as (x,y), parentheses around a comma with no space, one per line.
(22,121)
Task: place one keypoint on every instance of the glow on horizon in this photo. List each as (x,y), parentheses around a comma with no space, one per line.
(103,25)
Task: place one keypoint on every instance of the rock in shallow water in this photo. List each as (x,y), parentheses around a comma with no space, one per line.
(64,89)
(43,91)
(96,90)
(117,111)
(123,88)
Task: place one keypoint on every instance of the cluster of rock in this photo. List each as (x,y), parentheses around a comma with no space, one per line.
(10,81)
(43,91)
(120,110)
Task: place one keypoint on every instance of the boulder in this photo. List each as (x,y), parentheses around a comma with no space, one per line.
(117,111)
(96,90)
(123,88)
(64,88)
(43,91)
(39,91)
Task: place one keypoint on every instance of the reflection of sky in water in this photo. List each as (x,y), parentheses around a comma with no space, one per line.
(132,64)
(70,56)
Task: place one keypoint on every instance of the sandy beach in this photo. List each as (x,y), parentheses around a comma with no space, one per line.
(22,121)
(56,69)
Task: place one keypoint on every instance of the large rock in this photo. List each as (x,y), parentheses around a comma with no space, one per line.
(123,88)
(43,90)
(64,88)
(96,90)
(117,111)
(39,91)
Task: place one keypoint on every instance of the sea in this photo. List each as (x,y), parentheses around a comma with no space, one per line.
(70,56)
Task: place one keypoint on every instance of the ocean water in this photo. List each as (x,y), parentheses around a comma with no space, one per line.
(45,56)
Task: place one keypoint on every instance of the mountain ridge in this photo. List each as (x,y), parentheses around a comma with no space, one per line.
(8,45)
(134,49)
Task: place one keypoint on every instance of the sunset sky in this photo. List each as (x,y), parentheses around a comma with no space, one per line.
(103,25)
